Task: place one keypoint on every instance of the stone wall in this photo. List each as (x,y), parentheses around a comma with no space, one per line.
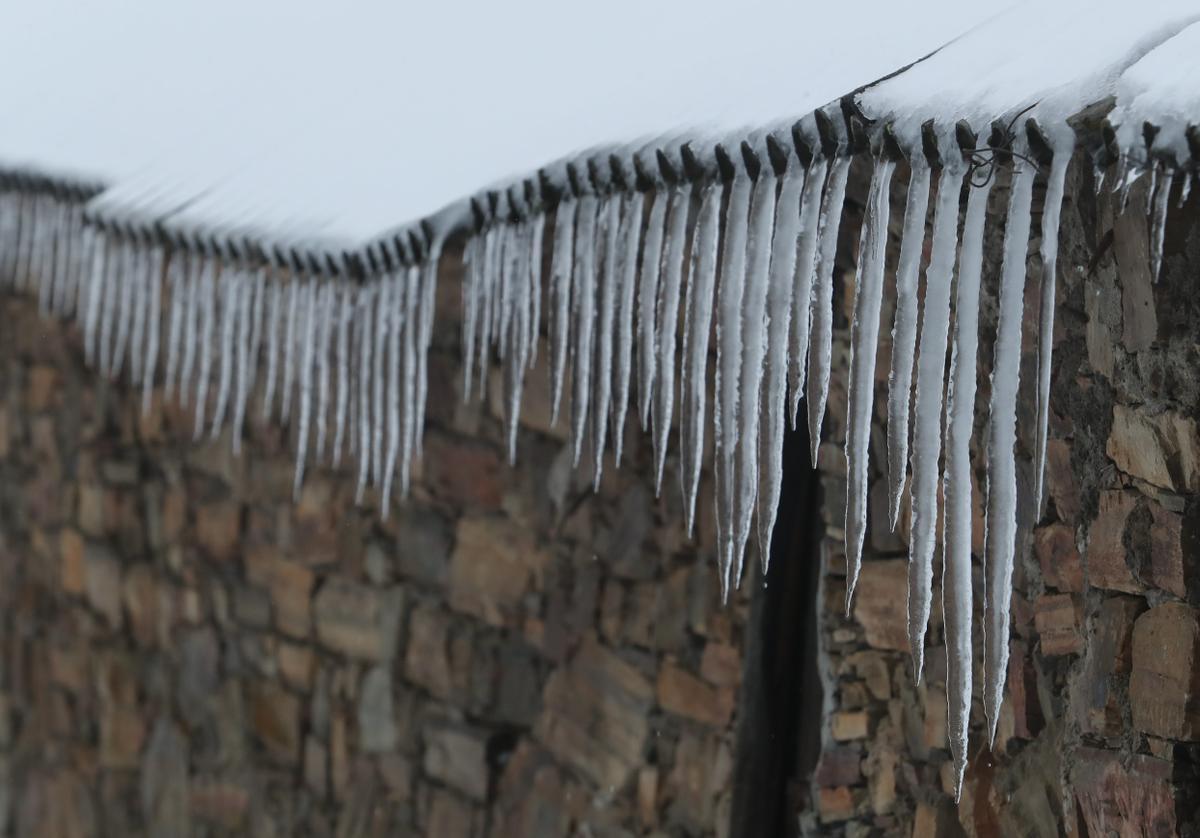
(184,650)
(1100,730)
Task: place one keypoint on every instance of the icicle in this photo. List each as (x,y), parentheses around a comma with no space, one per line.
(610,213)
(561,268)
(137,332)
(927,432)
(670,277)
(517,351)
(822,302)
(292,300)
(507,251)
(806,256)
(207,288)
(307,324)
(630,236)
(365,318)
(956,481)
(153,324)
(429,276)
(130,277)
(1051,213)
(396,382)
(782,281)
(116,268)
(699,305)
(729,367)
(414,360)
(231,293)
(382,314)
(325,316)
(178,289)
(1186,190)
(537,230)
(46,281)
(197,265)
(904,332)
(1158,223)
(472,299)
(754,340)
(583,282)
(345,319)
(864,342)
(647,300)
(490,303)
(250,305)
(1000,525)
(274,300)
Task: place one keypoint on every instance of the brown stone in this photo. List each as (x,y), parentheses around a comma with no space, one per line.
(289,585)
(1054,546)
(43,384)
(647,797)
(458,758)
(376,714)
(275,719)
(1108,564)
(397,774)
(358,621)
(1094,699)
(427,661)
(493,565)
(1061,483)
(102,582)
(1164,687)
(1057,618)
(721,665)
(594,715)
(462,472)
(143,603)
(1164,568)
(935,718)
(684,694)
(839,766)
(217,529)
(1163,449)
(531,797)
(316,770)
(847,726)
(71,568)
(296,664)
(1119,798)
(448,815)
(219,802)
(880,606)
(702,768)
(835,804)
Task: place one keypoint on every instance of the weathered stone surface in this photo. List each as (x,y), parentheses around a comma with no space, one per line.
(427,659)
(217,529)
(376,715)
(1164,687)
(531,799)
(458,758)
(1163,449)
(358,621)
(1108,564)
(72,569)
(684,694)
(1096,699)
(102,583)
(848,726)
(1124,800)
(1054,546)
(493,565)
(422,550)
(594,715)
(275,717)
(289,585)
(164,781)
(702,767)
(879,606)
(1057,618)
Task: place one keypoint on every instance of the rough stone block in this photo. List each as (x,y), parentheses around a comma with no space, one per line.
(458,758)
(494,562)
(880,606)
(1054,546)
(358,621)
(1162,449)
(1164,688)
(1057,618)
(683,694)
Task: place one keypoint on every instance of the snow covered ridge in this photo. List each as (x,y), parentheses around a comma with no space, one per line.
(667,257)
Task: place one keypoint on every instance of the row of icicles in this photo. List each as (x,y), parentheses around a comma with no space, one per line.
(637,281)
(642,289)
(342,360)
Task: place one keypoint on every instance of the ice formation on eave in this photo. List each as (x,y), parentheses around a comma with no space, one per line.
(670,259)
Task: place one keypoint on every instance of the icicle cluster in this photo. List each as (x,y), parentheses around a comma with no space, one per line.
(335,349)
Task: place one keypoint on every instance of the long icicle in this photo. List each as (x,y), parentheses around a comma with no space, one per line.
(398,382)
(1000,525)
(416,302)
(153,324)
(1064,145)
(730,293)
(325,305)
(306,327)
(561,268)
(754,340)
(864,343)
(904,332)
(820,354)
(956,482)
(366,310)
(782,281)
(697,328)
(583,283)
(472,298)
(249,329)
(647,301)
(429,276)
(1158,222)
(382,314)
(630,236)
(610,210)
(207,288)
(806,255)
(231,291)
(666,318)
(927,434)
(292,307)
(344,350)
(177,271)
